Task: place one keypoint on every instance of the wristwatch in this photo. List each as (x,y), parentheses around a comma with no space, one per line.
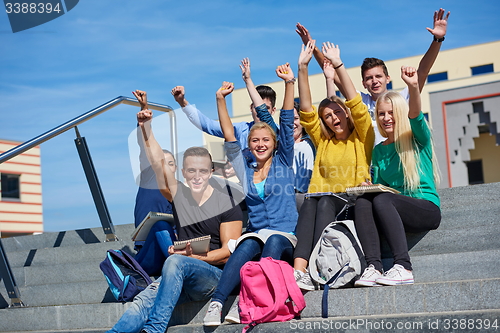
(439,40)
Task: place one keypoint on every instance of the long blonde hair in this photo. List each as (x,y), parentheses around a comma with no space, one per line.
(405,141)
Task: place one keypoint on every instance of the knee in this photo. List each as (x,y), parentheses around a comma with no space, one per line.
(383,200)
(325,204)
(277,241)
(173,264)
(160,226)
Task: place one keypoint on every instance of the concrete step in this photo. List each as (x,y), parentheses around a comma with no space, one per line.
(463,321)
(65,238)
(431,268)
(63,255)
(472,299)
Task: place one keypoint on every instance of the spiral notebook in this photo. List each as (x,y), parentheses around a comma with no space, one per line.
(199,245)
(375,188)
(141,232)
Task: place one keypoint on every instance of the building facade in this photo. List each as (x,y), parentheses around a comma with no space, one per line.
(462,101)
(21,192)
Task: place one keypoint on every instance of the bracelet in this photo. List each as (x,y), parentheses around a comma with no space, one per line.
(439,40)
(342,64)
(291,80)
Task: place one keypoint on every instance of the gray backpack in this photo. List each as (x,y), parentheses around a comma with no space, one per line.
(337,258)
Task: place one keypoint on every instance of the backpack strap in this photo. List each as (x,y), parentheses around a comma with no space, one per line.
(324,299)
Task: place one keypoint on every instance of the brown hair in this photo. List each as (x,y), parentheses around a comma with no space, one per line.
(325,130)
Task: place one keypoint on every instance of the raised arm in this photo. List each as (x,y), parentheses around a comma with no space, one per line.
(410,77)
(438,32)
(252,92)
(224,119)
(332,53)
(165,178)
(304,89)
(285,73)
(306,37)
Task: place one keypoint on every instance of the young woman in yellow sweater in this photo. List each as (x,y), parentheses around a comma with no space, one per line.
(343,136)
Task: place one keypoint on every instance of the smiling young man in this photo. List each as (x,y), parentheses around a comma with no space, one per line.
(199,210)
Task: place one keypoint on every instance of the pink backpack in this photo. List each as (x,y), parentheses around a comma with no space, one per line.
(268,292)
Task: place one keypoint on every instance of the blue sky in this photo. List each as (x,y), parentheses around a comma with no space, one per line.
(106,48)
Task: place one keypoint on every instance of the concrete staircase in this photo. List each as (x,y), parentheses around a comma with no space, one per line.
(456,270)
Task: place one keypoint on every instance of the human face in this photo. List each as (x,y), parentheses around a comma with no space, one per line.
(336,119)
(197,171)
(269,106)
(261,144)
(297,127)
(169,159)
(385,117)
(375,81)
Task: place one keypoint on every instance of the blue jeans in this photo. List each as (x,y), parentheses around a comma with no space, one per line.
(183,279)
(155,249)
(277,247)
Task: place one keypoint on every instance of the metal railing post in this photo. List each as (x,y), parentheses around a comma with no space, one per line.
(95,187)
(8,278)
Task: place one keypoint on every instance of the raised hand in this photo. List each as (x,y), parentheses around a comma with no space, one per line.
(144,116)
(225,89)
(328,70)
(409,76)
(332,53)
(303,33)
(142,98)
(440,23)
(179,94)
(245,69)
(284,72)
(306,52)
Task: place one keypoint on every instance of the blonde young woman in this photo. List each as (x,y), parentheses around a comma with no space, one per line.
(343,136)
(404,161)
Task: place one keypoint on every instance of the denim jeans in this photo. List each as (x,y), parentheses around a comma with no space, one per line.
(183,279)
(277,247)
(155,249)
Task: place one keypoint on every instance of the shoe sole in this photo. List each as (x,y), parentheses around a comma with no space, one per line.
(232,320)
(306,287)
(394,283)
(212,323)
(366,284)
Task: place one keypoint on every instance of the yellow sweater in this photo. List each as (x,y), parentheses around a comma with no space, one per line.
(341,163)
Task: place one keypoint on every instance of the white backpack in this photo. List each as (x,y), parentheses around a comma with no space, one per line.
(338,254)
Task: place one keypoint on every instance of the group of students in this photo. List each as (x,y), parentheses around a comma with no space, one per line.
(266,161)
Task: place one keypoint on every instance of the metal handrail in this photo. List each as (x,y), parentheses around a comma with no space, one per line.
(5,270)
(88,115)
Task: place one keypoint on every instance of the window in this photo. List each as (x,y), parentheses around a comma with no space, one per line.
(437,77)
(389,86)
(10,186)
(475,172)
(482,69)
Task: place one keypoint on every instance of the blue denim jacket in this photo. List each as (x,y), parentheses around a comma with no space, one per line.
(277,211)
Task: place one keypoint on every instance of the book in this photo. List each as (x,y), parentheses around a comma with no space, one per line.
(375,188)
(262,235)
(320,194)
(200,245)
(141,232)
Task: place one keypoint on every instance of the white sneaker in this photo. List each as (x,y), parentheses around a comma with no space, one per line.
(213,315)
(306,283)
(369,277)
(233,316)
(297,274)
(396,275)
